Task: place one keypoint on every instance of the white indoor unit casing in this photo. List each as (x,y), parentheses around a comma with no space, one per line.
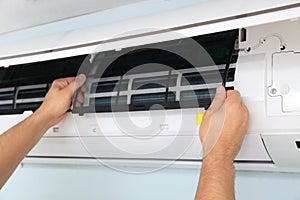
(265,72)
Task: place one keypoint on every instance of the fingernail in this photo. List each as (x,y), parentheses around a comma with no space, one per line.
(220,90)
(81,77)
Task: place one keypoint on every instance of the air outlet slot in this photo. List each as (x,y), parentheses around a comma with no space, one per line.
(32,93)
(29,106)
(207,77)
(109,86)
(6,95)
(108,101)
(154,82)
(6,107)
(155,98)
(197,94)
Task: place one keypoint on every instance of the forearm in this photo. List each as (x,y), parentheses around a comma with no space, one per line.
(18,141)
(216,180)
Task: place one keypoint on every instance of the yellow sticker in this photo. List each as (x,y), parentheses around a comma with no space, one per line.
(199,118)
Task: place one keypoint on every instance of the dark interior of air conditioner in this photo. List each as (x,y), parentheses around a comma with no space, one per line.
(110,74)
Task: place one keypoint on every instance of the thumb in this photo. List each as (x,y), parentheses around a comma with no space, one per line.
(77,83)
(219,98)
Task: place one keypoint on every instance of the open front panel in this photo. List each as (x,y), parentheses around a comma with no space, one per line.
(174,74)
(23,87)
(169,75)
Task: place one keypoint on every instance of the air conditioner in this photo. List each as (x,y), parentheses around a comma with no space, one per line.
(147,90)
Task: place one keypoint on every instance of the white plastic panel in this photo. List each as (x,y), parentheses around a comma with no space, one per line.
(240,14)
(282,149)
(65,128)
(253,149)
(254,72)
(144,123)
(13,11)
(63,147)
(285,79)
(117,147)
(250,69)
(140,123)
(7,121)
(160,147)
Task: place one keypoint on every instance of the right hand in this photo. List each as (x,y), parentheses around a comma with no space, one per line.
(224,126)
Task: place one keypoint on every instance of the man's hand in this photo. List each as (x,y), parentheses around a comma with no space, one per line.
(224,125)
(59,98)
(222,132)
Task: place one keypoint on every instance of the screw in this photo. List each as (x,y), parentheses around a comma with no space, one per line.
(282,47)
(273,91)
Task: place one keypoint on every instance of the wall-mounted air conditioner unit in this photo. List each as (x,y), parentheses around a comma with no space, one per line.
(147,90)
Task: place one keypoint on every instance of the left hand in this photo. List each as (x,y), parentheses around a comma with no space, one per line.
(59,98)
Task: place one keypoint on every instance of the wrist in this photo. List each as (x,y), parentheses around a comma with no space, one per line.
(218,160)
(43,118)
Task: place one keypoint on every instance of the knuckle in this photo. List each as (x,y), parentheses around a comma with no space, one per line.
(233,94)
(234,97)
(209,111)
(55,82)
(237,93)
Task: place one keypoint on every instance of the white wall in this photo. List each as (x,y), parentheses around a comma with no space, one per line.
(94,182)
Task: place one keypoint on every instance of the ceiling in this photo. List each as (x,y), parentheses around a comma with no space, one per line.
(20,14)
